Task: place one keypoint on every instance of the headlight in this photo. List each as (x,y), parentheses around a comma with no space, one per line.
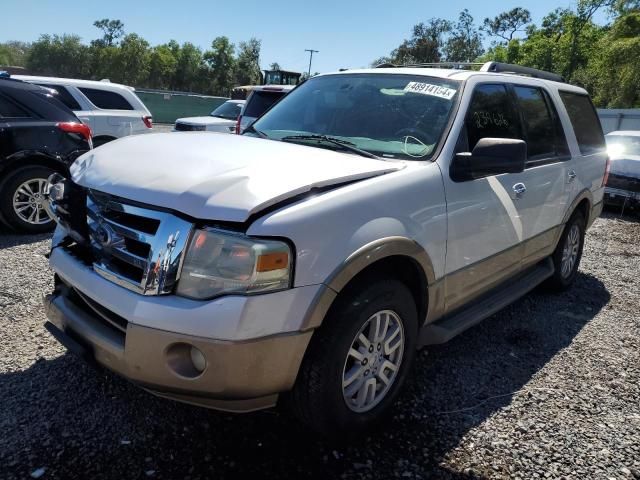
(223,263)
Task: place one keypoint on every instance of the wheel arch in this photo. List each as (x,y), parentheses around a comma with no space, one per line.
(29,158)
(397,257)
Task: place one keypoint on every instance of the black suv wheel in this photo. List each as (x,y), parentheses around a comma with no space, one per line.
(22,199)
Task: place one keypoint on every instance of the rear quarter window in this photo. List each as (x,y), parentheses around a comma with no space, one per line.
(9,109)
(64,96)
(105,99)
(584,121)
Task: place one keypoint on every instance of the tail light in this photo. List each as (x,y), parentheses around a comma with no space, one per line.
(148,121)
(607,169)
(238,124)
(77,128)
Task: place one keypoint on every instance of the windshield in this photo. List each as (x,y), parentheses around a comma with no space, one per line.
(228,110)
(618,145)
(392,116)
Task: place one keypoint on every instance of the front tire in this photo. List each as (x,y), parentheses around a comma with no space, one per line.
(359,359)
(566,258)
(22,197)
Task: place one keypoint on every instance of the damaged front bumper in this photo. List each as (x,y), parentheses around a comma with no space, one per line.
(239,376)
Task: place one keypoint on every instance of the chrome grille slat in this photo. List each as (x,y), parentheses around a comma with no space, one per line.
(125,256)
(129,232)
(111,243)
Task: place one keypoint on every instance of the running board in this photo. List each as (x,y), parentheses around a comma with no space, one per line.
(451,325)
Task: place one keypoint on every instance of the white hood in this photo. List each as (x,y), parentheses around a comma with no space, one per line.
(208,120)
(214,176)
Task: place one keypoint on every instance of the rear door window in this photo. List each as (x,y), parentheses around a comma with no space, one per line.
(538,124)
(64,96)
(544,134)
(260,102)
(491,115)
(105,99)
(585,122)
(9,109)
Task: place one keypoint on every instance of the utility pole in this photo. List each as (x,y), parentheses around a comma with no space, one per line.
(311,52)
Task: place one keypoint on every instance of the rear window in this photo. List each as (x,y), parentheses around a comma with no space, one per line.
(106,100)
(260,102)
(63,95)
(585,122)
(9,109)
(228,110)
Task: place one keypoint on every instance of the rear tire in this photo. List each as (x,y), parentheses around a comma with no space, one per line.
(566,258)
(346,382)
(21,197)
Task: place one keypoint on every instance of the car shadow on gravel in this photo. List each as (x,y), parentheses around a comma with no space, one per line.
(62,416)
(9,238)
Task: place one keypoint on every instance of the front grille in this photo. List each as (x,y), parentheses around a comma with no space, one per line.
(185,127)
(622,182)
(137,248)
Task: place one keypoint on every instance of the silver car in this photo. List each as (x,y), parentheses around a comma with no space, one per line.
(623,183)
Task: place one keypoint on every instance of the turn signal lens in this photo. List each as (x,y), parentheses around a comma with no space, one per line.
(272,261)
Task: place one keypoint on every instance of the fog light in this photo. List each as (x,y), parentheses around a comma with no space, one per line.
(198,359)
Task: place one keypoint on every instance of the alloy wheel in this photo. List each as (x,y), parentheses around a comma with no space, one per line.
(570,251)
(28,202)
(373,361)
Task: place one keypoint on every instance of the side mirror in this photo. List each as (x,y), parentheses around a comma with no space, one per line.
(490,156)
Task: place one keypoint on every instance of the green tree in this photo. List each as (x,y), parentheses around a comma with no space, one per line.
(162,67)
(614,74)
(59,55)
(221,64)
(465,42)
(248,63)
(112,30)
(425,45)
(132,63)
(507,24)
(275,66)
(14,53)
(188,68)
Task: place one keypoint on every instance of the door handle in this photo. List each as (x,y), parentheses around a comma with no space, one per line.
(519,189)
(571,176)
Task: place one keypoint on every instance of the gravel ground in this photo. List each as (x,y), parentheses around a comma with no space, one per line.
(547,388)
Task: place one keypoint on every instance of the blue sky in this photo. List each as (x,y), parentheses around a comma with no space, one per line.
(348,33)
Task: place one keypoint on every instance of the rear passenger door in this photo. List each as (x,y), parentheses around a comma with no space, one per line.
(547,184)
(589,148)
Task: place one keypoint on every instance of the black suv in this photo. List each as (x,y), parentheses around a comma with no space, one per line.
(38,136)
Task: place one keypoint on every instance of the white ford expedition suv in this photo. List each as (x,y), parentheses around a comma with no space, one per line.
(368,214)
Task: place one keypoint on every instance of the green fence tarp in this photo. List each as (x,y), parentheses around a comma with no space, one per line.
(166,106)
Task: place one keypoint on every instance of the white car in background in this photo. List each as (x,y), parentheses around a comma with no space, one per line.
(111,110)
(223,119)
(623,181)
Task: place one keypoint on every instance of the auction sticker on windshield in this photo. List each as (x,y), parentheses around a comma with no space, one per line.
(429,89)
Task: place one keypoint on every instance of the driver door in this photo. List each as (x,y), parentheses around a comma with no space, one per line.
(485,215)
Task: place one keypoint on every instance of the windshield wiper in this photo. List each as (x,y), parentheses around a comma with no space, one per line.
(336,141)
(253,129)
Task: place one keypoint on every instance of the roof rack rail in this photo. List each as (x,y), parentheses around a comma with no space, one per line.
(493,67)
(499,67)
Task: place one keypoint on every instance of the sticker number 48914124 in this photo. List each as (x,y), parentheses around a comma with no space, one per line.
(429,89)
